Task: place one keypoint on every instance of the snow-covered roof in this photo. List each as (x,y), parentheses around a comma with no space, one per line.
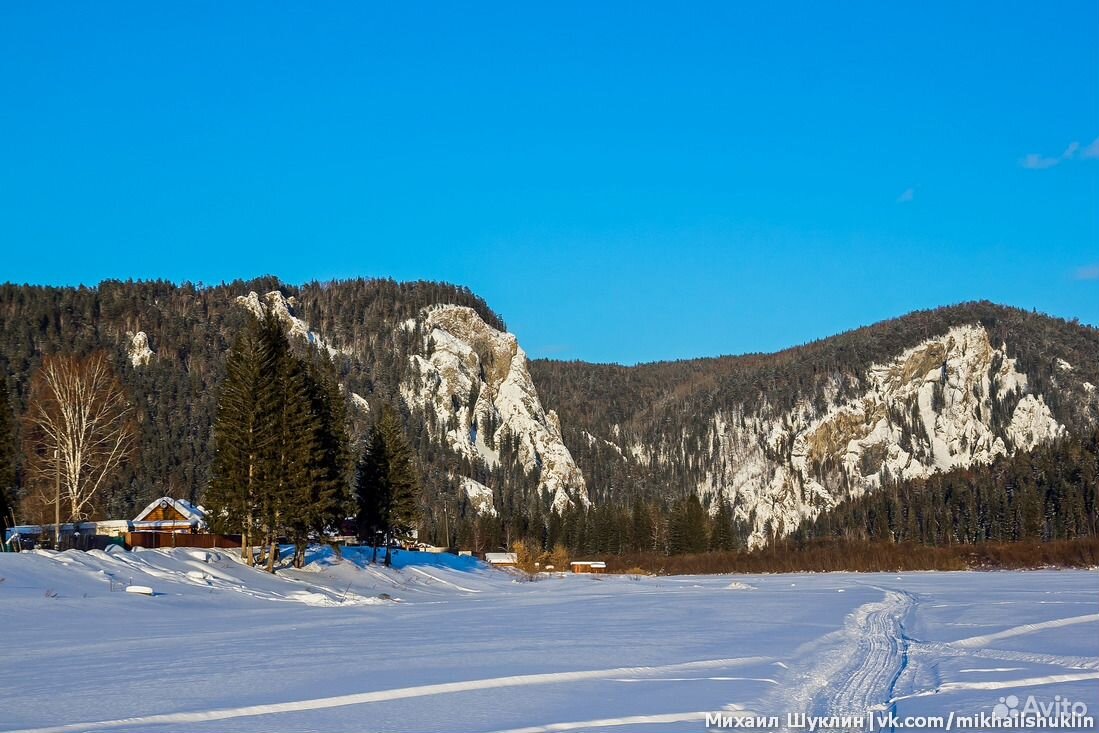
(589,563)
(186,509)
(497,558)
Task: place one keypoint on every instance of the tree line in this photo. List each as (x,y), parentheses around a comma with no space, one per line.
(282,464)
(174,411)
(1046,494)
(282,471)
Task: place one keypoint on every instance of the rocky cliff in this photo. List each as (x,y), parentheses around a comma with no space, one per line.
(473,378)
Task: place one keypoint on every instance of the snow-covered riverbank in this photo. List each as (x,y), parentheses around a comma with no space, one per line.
(445,644)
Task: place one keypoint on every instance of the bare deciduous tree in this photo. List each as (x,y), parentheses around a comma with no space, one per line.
(79,430)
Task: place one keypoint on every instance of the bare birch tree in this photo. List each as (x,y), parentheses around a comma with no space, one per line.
(79,431)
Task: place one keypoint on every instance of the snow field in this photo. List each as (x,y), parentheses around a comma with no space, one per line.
(440,643)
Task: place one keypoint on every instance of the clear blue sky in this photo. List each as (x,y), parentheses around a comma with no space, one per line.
(621,181)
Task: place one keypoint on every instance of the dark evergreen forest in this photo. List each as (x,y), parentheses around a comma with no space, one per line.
(638,506)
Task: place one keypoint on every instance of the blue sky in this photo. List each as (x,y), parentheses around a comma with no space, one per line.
(621,181)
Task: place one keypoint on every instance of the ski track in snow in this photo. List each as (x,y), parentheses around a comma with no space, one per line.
(401,693)
(829,655)
(1049,679)
(985,639)
(443,581)
(854,670)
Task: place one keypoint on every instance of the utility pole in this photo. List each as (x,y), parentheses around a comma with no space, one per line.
(446,525)
(57,497)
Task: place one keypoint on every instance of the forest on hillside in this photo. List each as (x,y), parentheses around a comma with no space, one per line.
(190,329)
(672,403)
(639,505)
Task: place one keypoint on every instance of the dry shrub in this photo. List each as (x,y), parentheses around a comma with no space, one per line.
(829,555)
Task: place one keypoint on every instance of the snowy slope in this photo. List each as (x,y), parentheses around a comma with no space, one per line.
(452,647)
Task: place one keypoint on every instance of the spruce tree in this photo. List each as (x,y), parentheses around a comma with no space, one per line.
(387,487)
(721,537)
(318,485)
(279,471)
(687,527)
(296,453)
(244,438)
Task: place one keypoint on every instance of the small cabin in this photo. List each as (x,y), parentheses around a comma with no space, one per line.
(502,559)
(588,566)
(170,515)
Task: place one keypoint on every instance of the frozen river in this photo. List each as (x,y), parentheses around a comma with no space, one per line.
(456,647)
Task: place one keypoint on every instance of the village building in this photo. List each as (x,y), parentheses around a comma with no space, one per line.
(170,515)
(502,559)
(588,566)
(165,522)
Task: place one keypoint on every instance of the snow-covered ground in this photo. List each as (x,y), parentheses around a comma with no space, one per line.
(444,644)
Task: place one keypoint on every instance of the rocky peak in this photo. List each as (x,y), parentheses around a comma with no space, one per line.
(474,379)
(139,351)
(951,401)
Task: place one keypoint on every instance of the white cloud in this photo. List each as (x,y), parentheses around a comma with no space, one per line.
(1091,151)
(1089,272)
(907,195)
(1037,161)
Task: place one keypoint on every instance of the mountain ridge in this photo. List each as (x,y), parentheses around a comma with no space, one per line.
(566,433)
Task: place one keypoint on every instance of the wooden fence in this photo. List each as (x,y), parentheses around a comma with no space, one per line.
(152,540)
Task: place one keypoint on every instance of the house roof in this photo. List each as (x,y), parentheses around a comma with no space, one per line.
(186,509)
(501,557)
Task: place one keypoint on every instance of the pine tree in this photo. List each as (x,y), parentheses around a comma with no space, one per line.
(387,487)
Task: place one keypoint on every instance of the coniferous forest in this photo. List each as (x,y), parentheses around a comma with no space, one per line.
(213,367)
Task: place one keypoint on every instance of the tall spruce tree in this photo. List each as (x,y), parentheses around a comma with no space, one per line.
(387,486)
(318,494)
(279,471)
(244,438)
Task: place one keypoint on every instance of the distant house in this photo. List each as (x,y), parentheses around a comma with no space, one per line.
(588,566)
(170,515)
(501,559)
(169,522)
(166,522)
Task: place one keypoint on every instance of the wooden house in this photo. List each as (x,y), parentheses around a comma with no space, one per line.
(588,566)
(170,515)
(501,559)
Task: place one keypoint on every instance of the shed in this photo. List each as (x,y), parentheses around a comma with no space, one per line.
(588,566)
(501,559)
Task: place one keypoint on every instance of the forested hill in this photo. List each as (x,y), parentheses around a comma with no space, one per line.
(785,436)
(169,343)
(505,445)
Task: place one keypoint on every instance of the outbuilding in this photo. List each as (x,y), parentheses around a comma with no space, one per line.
(588,566)
(502,559)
